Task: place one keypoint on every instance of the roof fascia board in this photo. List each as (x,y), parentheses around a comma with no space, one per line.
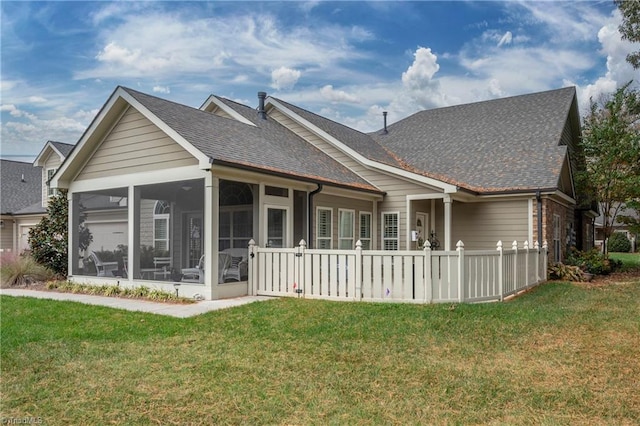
(213,100)
(59,180)
(297,177)
(349,193)
(142,178)
(564,197)
(568,164)
(447,188)
(40,159)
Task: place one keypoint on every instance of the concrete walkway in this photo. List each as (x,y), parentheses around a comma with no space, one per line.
(171,309)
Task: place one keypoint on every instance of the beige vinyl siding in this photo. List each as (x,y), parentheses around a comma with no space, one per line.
(395,187)
(222,113)
(53,161)
(481,225)
(6,235)
(135,145)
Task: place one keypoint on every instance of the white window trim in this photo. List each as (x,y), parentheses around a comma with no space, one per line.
(330,237)
(287,225)
(360,237)
(351,238)
(557,243)
(382,233)
(164,217)
(50,191)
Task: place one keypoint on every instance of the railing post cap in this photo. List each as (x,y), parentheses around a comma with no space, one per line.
(427,245)
(499,245)
(526,244)
(252,242)
(460,244)
(302,243)
(536,245)
(514,244)
(358,244)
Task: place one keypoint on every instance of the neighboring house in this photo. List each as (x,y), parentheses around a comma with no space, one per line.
(617,227)
(25,194)
(223,174)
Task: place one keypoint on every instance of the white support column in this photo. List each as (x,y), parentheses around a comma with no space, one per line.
(74,238)
(212,229)
(428,279)
(355,289)
(409,223)
(500,269)
(258,231)
(133,226)
(447,222)
(15,239)
(461,275)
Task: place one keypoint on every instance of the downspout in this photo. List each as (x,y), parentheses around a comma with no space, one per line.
(539,200)
(310,214)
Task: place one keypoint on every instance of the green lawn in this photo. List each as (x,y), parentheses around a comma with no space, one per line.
(561,354)
(629,260)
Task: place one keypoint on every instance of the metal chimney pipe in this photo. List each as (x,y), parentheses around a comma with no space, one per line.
(261,112)
(384,115)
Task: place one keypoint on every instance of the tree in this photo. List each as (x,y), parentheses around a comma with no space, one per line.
(632,220)
(630,27)
(611,147)
(49,238)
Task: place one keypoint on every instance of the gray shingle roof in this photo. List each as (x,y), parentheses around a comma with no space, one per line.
(16,193)
(64,148)
(498,145)
(267,146)
(358,141)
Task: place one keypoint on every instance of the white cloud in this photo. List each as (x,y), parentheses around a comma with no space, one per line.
(332,95)
(161,89)
(284,78)
(170,45)
(37,99)
(119,55)
(418,76)
(16,112)
(618,70)
(506,38)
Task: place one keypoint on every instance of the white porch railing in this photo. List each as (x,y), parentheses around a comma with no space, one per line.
(424,276)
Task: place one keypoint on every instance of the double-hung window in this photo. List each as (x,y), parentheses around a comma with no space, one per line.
(50,191)
(324,226)
(365,230)
(346,219)
(390,231)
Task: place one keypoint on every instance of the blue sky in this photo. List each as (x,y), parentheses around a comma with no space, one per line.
(346,60)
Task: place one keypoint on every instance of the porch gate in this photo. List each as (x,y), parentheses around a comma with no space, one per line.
(424,276)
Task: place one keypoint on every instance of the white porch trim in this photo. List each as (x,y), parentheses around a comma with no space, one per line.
(447,200)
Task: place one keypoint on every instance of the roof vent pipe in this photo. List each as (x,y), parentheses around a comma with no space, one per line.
(261,112)
(384,115)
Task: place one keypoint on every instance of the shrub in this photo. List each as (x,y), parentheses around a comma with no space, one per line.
(22,271)
(560,271)
(592,261)
(619,243)
(48,239)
